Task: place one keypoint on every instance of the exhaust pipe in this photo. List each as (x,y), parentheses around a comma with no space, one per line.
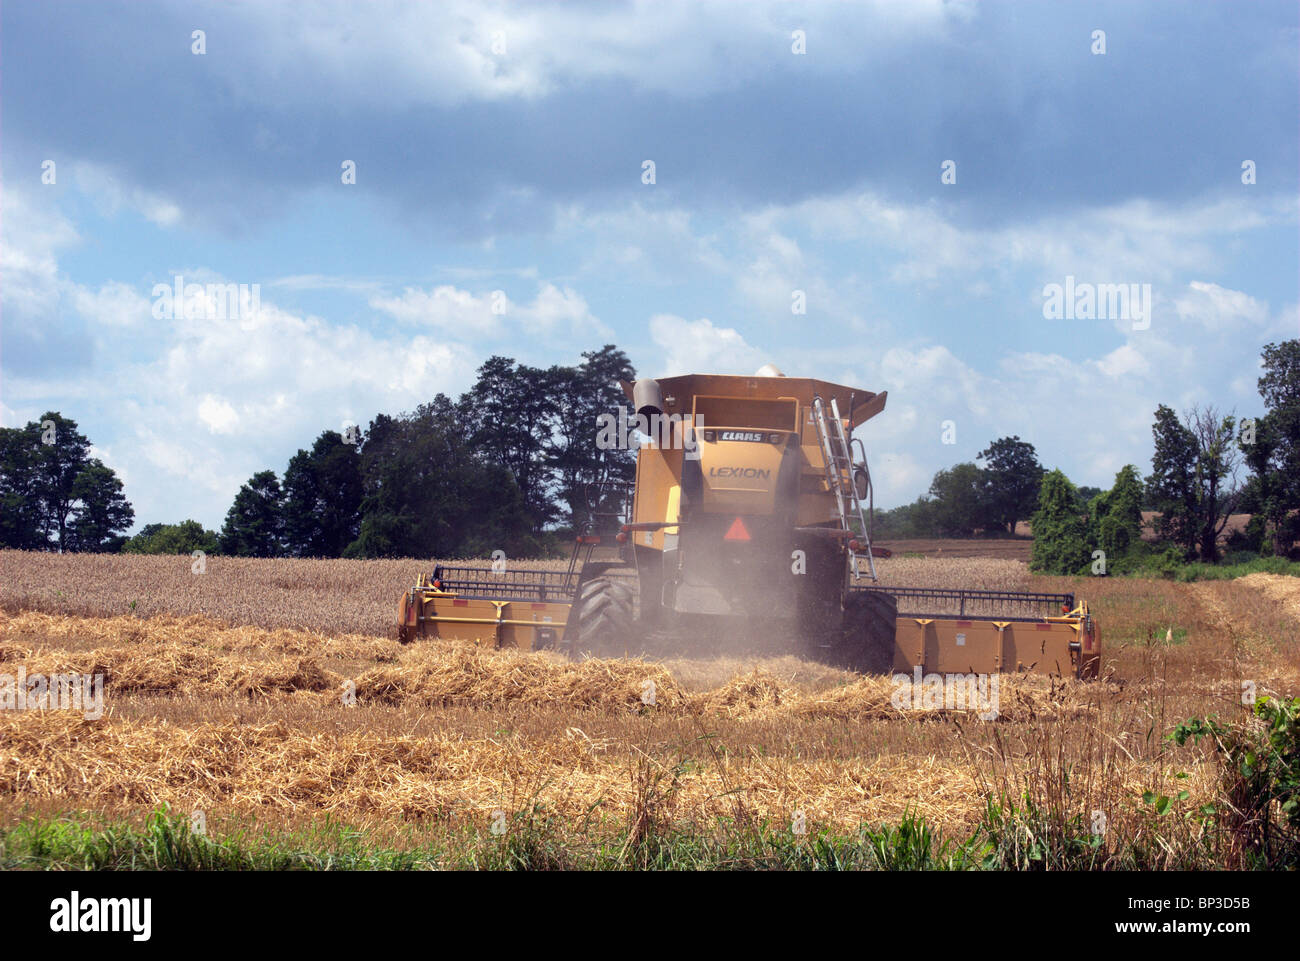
(647,398)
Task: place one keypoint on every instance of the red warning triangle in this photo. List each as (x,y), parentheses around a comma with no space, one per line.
(737,531)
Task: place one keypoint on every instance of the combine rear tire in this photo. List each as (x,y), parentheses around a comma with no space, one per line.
(867,642)
(605,619)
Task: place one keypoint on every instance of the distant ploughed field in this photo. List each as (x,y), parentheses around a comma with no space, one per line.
(1010,549)
(331,596)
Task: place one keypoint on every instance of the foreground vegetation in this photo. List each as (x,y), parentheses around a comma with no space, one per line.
(236,715)
(1007,838)
(536,842)
(1232,568)
(1255,824)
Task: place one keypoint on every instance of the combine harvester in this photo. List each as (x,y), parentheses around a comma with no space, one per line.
(750,514)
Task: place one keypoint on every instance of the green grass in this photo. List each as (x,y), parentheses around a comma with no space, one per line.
(1011,836)
(1154,566)
(1164,634)
(166,842)
(1224,572)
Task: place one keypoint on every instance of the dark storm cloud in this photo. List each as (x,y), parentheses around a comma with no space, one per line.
(1034,121)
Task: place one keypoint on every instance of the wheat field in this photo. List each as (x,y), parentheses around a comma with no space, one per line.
(274,692)
(334,596)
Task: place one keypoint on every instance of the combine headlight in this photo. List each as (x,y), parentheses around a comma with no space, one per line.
(774,438)
(710,436)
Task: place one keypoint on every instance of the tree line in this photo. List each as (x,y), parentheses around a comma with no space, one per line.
(513,465)
(1195,485)
(968,499)
(508,466)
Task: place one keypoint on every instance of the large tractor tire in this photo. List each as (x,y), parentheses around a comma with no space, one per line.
(819,617)
(606,619)
(867,642)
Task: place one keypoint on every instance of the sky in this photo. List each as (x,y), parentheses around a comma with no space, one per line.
(879,194)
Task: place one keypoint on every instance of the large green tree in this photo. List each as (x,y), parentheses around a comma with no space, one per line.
(55,495)
(1217,485)
(322,498)
(254,524)
(1013,477)
(1117,515)
(1171,486)
(64,453)
(1061,542)
(509,415)
(22,508)
(589,478)
(1193,479)
(102,513)
(959,499)
(541,425)
(429,492)
(1273,452)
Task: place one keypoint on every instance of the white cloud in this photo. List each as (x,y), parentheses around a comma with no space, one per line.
(951,388)
(776,272)
(218,415)
(460,312)
(323,282)
(113,305)
(697,347)
(1123,362)
(445,308)
(654,246)
(1133,242)
(202,404)
(110,195)
(555,307)
(34,234)
(1083,394)
(1218,308)
(897,477)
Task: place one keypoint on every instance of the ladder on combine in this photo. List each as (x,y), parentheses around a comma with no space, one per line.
(840,467)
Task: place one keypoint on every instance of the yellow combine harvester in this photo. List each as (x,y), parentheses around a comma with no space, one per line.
(750,512)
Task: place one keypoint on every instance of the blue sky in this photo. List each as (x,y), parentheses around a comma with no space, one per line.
(500,147)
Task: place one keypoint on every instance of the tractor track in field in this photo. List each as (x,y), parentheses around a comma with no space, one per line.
(1253,635)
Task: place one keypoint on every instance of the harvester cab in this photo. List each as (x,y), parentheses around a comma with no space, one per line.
(748,500)
(750,511)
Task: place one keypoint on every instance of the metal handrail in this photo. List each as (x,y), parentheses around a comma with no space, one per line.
(838,455)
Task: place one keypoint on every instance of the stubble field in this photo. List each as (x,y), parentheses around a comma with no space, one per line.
(225,694)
